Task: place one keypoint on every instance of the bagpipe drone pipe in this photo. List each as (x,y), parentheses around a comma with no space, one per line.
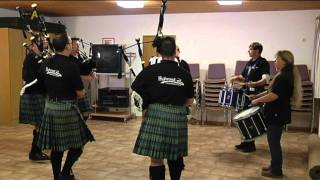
(33,24)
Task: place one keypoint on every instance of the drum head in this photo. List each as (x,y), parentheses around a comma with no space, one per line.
(246,113)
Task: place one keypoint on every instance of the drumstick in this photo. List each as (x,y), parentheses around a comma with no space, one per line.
(246,95)
(23,89)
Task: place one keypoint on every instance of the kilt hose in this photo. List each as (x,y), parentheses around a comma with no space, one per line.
(31,108)
(63,127)
(163,133)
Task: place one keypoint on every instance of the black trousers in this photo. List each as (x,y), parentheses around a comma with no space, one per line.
(274,133)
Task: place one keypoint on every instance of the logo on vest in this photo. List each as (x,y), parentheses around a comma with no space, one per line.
(53,72)
(170,81)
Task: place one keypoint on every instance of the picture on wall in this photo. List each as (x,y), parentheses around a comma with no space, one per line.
(108,41)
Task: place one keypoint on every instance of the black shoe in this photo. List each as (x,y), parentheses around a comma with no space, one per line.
(271,174)
(39,156)
(68,177)
(249,148)
(267,168)
(240,146)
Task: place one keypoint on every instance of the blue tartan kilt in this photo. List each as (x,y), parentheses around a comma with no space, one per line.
(31,108)
(84,105)
(63,127)
(163,133)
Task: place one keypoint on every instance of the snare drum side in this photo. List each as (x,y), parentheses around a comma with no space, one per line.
(250,123)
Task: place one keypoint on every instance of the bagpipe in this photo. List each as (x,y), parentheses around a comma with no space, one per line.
(155,43)
(88,65)
(136,99)
(41,38)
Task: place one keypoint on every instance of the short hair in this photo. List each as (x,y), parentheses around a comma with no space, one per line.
(75,39)
(60,42)
(167,46)
(256,46)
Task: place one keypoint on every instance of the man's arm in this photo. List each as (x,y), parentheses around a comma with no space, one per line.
(264,80)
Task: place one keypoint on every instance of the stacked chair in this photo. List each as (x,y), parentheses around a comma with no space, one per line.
(240,66)
(273,72)
(195,74)
(304,113)
(213,83)
(307,87)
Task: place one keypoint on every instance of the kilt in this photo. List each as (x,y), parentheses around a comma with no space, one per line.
(163,133)
(63,127)
(31,108)
(84,105)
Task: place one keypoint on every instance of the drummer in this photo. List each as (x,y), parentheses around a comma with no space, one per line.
(253,78)
(284,92)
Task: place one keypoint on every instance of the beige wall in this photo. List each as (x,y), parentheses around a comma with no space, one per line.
(5,102)
(11,55)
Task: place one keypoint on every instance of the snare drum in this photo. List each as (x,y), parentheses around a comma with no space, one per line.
(242,101)
(251,123)
(228,97)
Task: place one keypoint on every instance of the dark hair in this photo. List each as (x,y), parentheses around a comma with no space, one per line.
(256,46)
(60,41)
(167,46)
(75,39)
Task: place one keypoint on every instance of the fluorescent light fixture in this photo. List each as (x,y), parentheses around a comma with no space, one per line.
(130,4)
(226,2)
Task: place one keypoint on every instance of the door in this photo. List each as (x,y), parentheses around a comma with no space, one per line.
(148,49)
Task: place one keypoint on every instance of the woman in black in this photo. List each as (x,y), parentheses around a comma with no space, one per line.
(63,128)
(33,100)
(166,90)
(284,91)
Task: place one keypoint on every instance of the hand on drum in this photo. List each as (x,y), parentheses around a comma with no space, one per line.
(255,102)
(252,97)
(93,74)
(233,78)
(248,84)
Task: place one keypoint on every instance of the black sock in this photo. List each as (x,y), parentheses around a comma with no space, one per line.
(157,172)
(34,147)
(72,157)
(56,159)
(175,168)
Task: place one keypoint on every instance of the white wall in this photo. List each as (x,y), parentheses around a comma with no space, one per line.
(8,13)
(210,37)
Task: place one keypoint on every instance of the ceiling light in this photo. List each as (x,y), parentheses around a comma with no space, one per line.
(226,2)
(131,4)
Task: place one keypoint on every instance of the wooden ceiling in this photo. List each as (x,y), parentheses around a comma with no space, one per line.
(108,7)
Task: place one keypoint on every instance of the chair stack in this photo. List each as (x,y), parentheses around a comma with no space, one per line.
(307,89)
(239,67)
(195,74)
(215,80)
(273,72)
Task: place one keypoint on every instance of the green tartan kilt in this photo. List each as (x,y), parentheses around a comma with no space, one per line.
(31,108)
(163,133)
(63,127)
(84,105)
